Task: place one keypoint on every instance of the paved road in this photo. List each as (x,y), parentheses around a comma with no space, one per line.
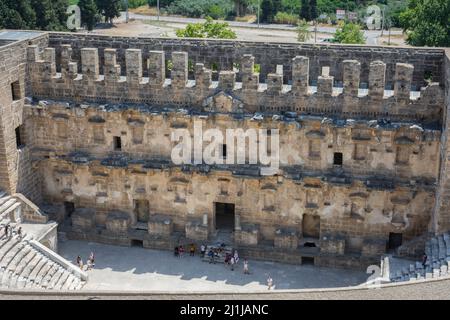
(371,36)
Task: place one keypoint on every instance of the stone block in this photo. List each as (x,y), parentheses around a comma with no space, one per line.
(83,219)
(160,225)
(286,238)
(247,236)
(196,230)
(118,222)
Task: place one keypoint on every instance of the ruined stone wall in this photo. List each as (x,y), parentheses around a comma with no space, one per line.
(16,172)
(224,53)
(228,95)
(396,151)
(92,93)
(441,216)
(359,203)
(353,212)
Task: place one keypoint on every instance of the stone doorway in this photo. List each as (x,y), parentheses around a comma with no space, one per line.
(311,226)
(395,240)
(225,215)
(141,210)
(69,208)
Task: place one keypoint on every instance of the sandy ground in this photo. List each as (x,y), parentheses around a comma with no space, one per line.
(149,28)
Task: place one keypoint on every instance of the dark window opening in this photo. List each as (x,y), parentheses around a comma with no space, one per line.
(15,90)
(19,140)
(308,260)
(337,160)
(395,240)
(117,143)
(69,208)
(137,243)
(309,245)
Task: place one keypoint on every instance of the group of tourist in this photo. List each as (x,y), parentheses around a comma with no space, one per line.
(9,231)
(214,254)
(90,262)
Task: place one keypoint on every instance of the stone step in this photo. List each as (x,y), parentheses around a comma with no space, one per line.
(6,264)
(18,258)
(21,267)
(55,278)
(8,246)
(15,250)
(74,283)
(35,271)
(40,275)
(25,261)
(6,205)
(23,279)
(3,200)
(80,285)
(62,280)
(48,277)
(5,214)
(67,283)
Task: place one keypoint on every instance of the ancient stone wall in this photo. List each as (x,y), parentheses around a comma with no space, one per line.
(363,159)
(227,95)
(441,216)
(16,172)
(222,54)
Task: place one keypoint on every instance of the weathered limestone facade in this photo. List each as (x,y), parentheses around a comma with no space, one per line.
(362,169)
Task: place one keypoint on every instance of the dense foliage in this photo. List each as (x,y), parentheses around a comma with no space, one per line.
(110,9)
(349,33)
(89,11)
(427,22)
(208,29)
(33,14)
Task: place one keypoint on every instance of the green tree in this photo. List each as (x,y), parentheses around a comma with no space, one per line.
(427,23)
(88,13)
(305,12)
(110,9)
(313,9)
(269,9)
(303,33)
(17,14)
(208,29)
(349,33)
(50,15)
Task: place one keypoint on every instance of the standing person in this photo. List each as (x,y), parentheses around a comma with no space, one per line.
(181,251)
(92,258)
(176,251)
(269,282)
(202,250)
(6,230)
(424,259)
(211,256)
(19,232)
(232,263)
(246,267)
(78,260)
(192,250)
(236,256)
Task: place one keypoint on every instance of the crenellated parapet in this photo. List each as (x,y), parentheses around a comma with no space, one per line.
(127,84)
